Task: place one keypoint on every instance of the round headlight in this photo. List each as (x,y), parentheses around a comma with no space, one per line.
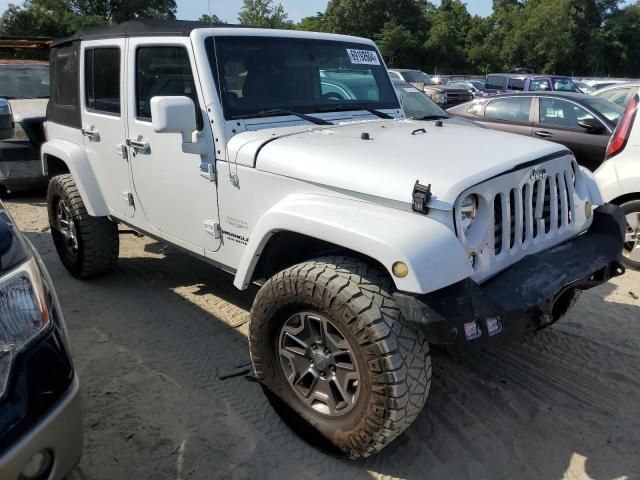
(468,211)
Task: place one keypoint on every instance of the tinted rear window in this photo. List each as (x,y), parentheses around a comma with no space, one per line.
(516,84)
(495,82)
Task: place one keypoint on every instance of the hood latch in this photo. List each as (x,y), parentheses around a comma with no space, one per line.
(421,197)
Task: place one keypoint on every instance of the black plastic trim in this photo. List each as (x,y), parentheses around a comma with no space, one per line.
(523,296)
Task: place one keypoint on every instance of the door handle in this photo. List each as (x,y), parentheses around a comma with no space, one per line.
(543,134)
(91,134)
(139,145)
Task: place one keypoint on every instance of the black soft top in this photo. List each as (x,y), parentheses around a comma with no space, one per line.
(139,28)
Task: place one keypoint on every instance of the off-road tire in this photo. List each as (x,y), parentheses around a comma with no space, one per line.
(97,237)
(393,357)
(632,206)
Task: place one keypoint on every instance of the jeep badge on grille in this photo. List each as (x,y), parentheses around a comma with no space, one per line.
(538,174)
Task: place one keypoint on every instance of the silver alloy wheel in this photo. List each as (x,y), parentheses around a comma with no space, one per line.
(319,363)
(67,227)
(632,238)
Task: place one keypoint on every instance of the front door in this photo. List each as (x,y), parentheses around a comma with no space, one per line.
(558,122)
(175,199)
(104,121)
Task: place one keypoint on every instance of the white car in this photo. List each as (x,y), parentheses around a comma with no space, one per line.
(371,235)
(619,178)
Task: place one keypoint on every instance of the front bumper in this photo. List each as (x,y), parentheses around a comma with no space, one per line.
(20,165)
(528,296)
(60,433)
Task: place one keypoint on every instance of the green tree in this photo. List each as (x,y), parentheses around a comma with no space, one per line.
(51,18)
(367,18)
(394,39)
(264,13)
(213,19)
(623,41)
(312,24)
(446,44)
(59,18)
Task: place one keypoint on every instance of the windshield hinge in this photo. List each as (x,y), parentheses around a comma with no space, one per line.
(212,228)
(421,197)
(207,171)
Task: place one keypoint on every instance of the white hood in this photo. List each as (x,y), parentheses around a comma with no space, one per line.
(29,108)
(451,158)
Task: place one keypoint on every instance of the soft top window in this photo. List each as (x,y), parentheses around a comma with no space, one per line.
(258,75)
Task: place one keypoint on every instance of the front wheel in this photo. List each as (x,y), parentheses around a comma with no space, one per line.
(326,338)
(631,250)
(88,246)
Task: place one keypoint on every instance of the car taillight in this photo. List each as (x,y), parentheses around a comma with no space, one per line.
(620,137)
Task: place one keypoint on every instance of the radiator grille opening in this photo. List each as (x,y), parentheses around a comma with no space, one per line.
(537,209)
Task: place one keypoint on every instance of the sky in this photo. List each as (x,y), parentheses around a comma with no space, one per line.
(227,10)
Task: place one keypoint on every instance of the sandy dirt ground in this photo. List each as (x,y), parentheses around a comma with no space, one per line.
(152,341)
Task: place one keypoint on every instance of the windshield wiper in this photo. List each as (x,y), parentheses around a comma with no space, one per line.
(283,111)
(353,107)
(433,117)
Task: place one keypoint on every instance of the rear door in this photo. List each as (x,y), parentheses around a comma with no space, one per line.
(558,122)
(104,121)
(510,114)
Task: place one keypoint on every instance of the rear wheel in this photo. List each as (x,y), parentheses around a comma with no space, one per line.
(326,338)
(88,246)
(631,250)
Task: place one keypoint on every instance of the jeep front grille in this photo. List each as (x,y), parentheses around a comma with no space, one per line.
(532,211)
(522,212)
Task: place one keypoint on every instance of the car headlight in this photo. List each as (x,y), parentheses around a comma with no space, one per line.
(468,211)
(23,313)
(438,97)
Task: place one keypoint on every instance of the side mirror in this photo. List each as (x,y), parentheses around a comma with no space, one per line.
(591,125)
(178,115)
(174,115)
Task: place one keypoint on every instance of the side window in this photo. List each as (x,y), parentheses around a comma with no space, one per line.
(617,96)
(65,73)
(496,82)
(515,84)
(540,85)
(102,79)
(163,71)
(515,109)
(560,113)
(394,75)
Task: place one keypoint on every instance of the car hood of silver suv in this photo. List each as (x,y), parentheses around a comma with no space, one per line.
(385,158)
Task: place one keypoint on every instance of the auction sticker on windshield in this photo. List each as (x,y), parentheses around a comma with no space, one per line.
(363,57)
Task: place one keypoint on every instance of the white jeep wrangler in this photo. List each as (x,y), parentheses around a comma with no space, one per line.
(284,158)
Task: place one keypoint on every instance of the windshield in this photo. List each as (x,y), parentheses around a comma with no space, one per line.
(24,81)
(611,111)
(258,74)
(416,104)
(564,85)
(416,76)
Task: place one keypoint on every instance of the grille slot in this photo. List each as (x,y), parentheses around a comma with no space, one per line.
(537,209)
